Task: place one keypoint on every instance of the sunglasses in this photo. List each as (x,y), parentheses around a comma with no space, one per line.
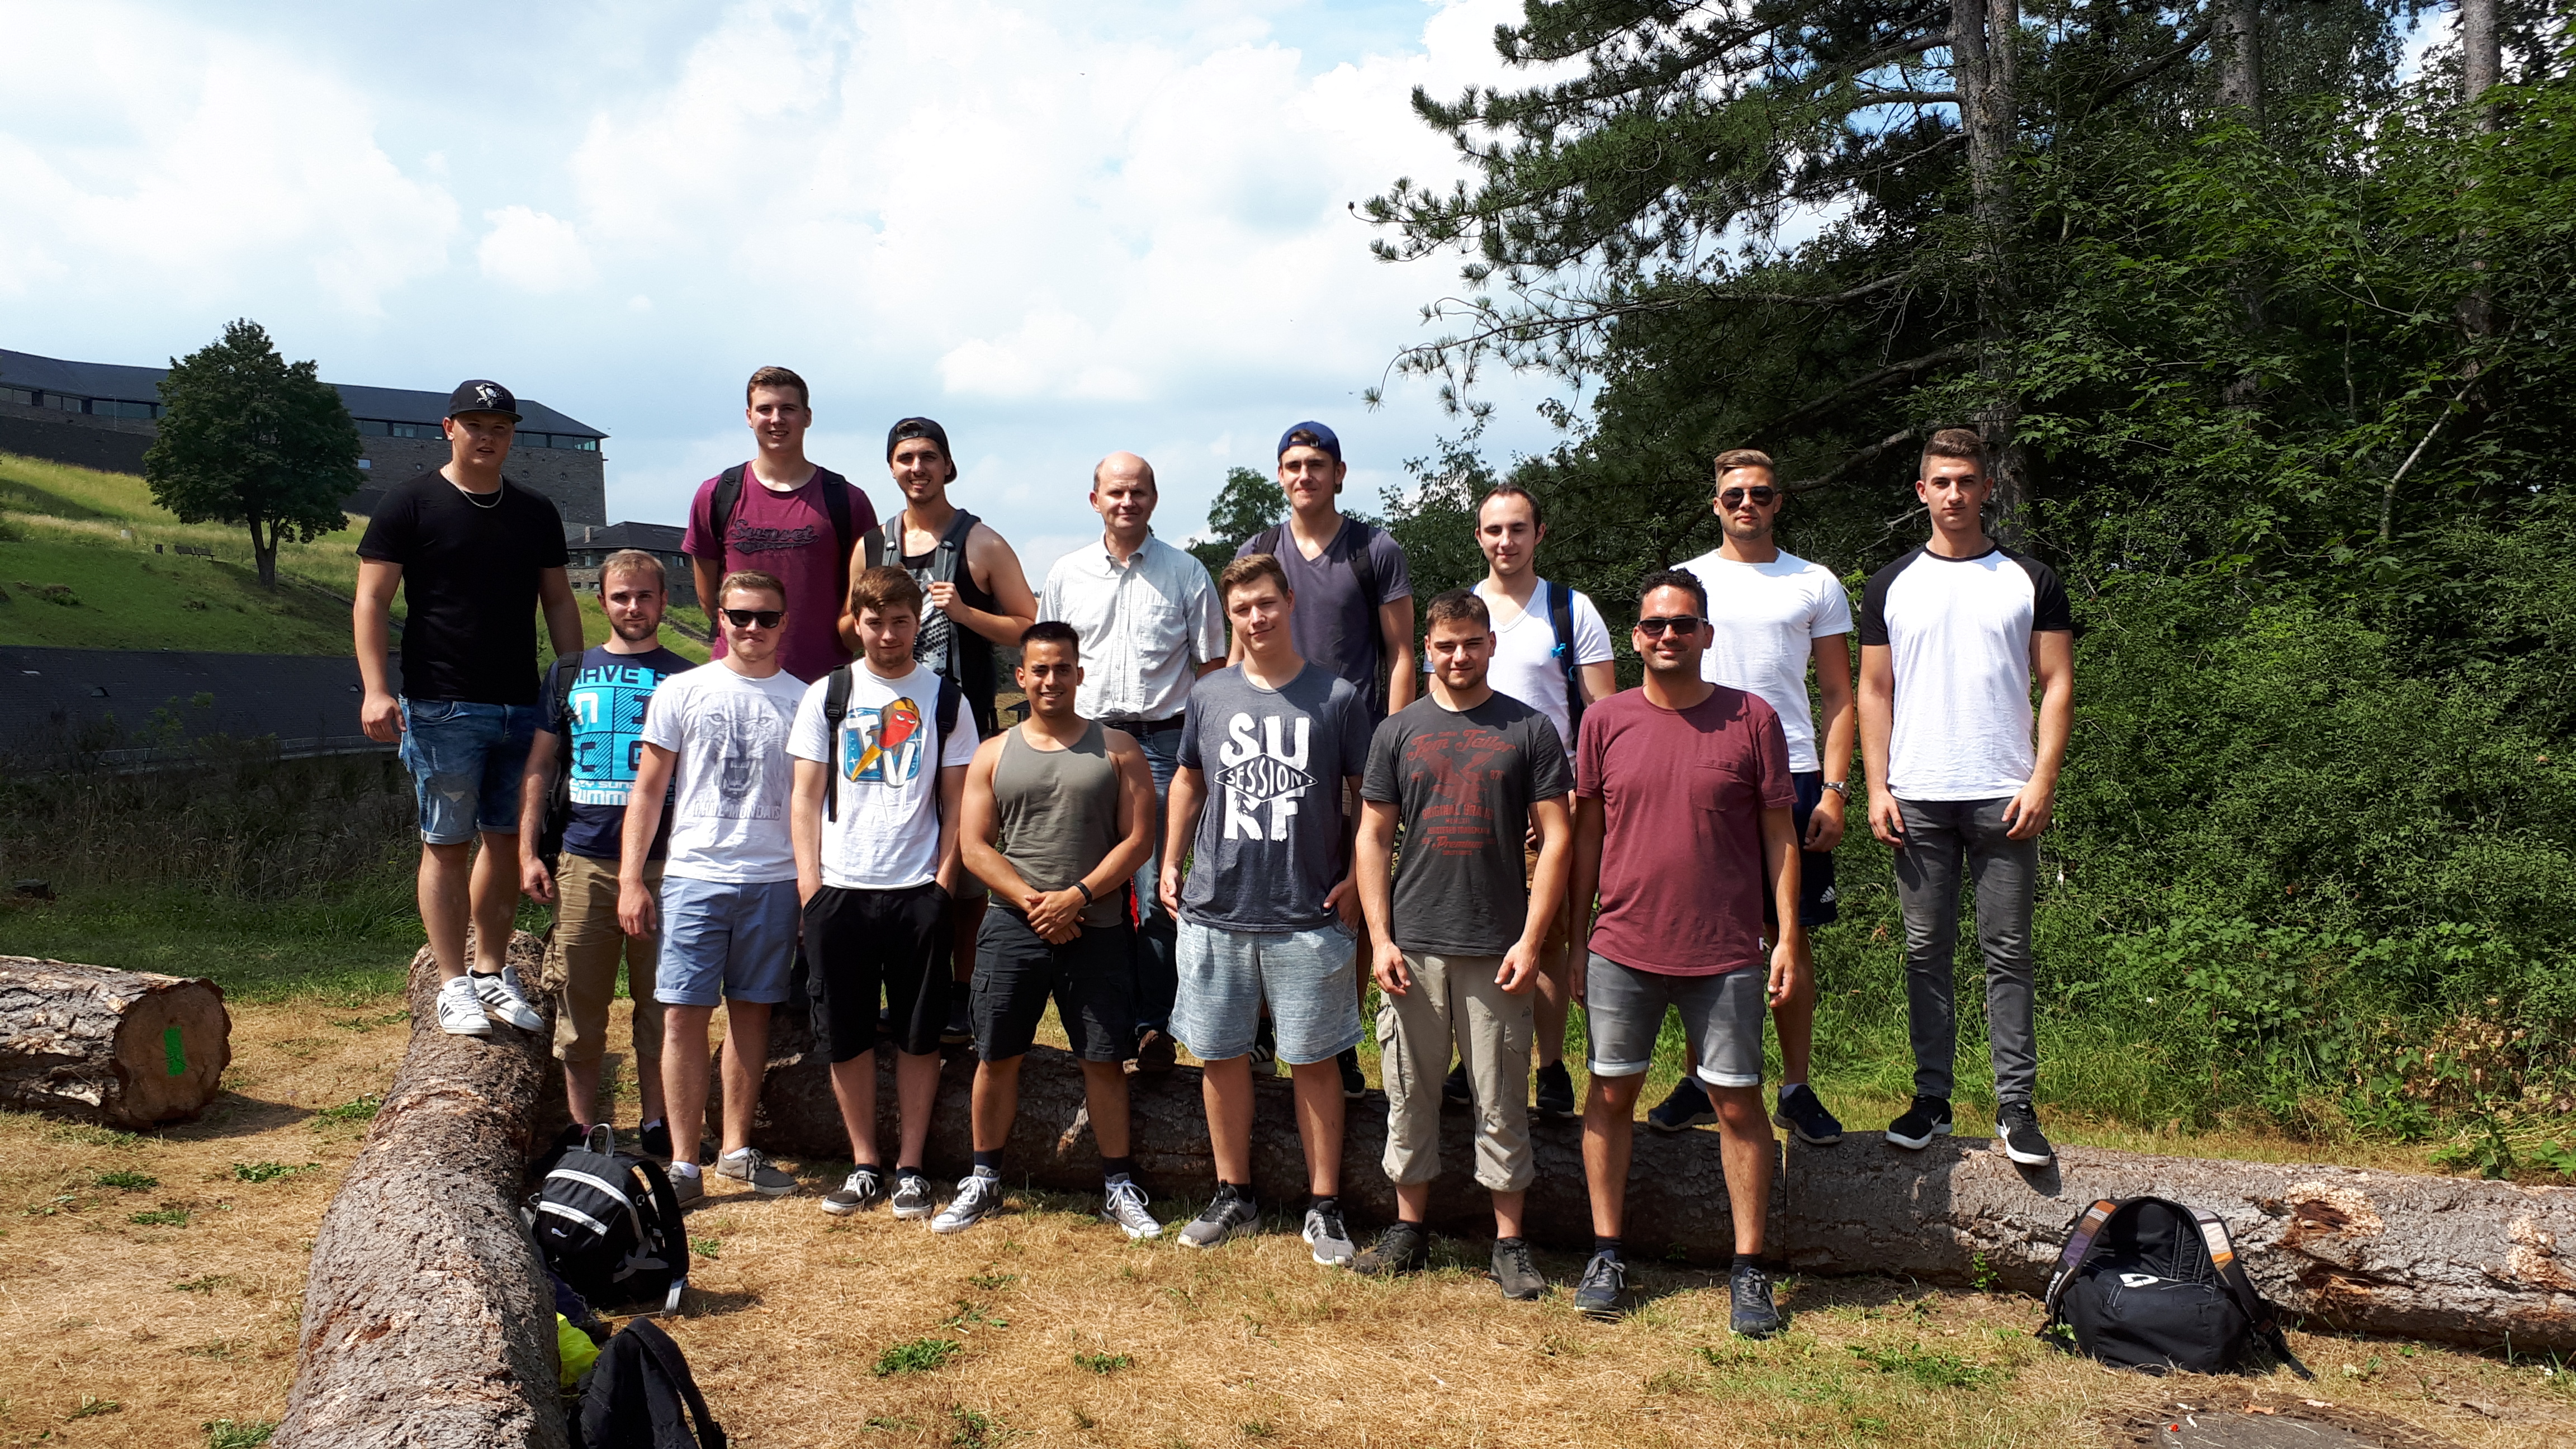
(754,618)
(1679,624)
(1763,495)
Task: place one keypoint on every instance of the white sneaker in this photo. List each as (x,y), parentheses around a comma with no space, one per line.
(1125,1206)
(503,997)
(460,1011)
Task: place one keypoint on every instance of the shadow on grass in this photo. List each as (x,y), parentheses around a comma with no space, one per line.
(233,1115)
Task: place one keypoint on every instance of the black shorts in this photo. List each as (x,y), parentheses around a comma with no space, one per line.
(860,944)
(1091,978)
(1816,904)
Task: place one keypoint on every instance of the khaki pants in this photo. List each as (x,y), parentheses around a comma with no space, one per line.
(587,943)
(1455,998)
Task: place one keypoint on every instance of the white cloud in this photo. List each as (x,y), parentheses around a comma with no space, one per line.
(533,252)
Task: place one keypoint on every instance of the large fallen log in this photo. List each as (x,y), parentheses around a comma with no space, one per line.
(126,1049)
(2439,1258)
(428,1322)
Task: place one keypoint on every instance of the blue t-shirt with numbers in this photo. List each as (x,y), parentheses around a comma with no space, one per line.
(603,718)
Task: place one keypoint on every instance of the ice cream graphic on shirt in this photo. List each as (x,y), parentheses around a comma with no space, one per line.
(886,743)
(1258,773)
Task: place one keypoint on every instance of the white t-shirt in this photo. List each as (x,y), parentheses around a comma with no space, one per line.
(1525,664)
(884,832)
(1957,632)
(1768,618)
(732,780)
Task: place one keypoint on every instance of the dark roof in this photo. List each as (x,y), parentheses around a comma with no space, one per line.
(58,702)
(650,537)
(143,384)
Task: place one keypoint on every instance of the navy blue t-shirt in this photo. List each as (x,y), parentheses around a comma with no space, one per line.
(604,719)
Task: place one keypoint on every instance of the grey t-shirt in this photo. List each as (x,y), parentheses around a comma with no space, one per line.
(1270,843)
(1332,621)
(1463,780)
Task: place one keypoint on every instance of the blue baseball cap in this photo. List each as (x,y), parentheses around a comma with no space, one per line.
(1317,436)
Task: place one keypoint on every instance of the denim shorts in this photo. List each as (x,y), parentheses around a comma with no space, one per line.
(1623,1010)
(726,940)
(1310,979)
(465,760)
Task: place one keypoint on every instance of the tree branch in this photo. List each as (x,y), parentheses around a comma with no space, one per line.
(2191,41)
(1867,383)
(1855,462)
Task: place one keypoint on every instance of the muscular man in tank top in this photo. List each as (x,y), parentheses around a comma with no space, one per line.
(1059,813)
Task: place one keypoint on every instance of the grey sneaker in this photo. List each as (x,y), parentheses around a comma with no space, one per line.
(979,1196)
(1602,1292)
(751,1165)
(460,1011)
(912,1196)
(864,1190)
(1124,1204)
(1230,1214)
(1751,1313)
(688,1187)
(1326,1235)
(1514,1273)
(2017,1127)
(1402,1248)
(503,997)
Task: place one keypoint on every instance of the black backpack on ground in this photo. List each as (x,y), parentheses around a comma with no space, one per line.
(2150,1284)
(640,1396)
(609,1226)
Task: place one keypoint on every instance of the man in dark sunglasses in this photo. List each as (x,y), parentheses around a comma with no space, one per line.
(1682,824)
(1775,615)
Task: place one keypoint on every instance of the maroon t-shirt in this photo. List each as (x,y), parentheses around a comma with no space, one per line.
(789,535)
(1682,794)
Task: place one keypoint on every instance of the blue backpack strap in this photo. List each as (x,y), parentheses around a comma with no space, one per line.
(1560,619)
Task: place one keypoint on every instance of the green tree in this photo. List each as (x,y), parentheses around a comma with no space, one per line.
(252,440)
(1248,503)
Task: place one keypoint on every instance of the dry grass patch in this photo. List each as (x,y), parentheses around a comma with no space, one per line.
(1047,1327)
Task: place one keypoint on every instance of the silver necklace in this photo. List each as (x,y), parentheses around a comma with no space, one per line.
(477,499)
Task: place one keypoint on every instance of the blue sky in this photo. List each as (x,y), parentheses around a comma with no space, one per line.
(1061,230)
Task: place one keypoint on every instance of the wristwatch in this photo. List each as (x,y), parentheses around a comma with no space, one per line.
(1839,787)
(1086,892)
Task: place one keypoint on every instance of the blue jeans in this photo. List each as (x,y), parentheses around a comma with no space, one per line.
(465,760)
(1156,932)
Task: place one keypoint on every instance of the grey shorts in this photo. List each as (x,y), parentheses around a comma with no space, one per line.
(1309,978)
(1623,1010)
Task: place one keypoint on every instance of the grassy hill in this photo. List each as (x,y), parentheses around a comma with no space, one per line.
(78,569)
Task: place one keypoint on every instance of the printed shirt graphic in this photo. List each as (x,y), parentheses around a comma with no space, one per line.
(1463,781)
(604,721)
(1269,844)
(789,535)
(1682,794)
(884,831)
(729,816)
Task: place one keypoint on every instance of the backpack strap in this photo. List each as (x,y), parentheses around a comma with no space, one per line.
(2079,1246)
(836,502)
(1267,540)
(2260,1313)
(836,707)
(720,506)
(1364,568)
(874,541)
(666,1353)
(1560,618)
(951,698)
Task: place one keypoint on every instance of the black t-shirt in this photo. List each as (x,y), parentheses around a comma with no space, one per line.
(470,580)
(1464,782)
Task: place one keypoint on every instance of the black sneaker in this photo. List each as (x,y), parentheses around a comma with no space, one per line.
(1453,1088)
(1686,1107)
(961,1026)
(1265,1049)
(1802,1113)
(2017,1127)
(1928,1118)
(655,1139)
(1751,1314)
(1514,1273)
(912,1199)
(1354,1082)
(1603,1290)
(1402,1248)
(1556,1093)
(864,1189)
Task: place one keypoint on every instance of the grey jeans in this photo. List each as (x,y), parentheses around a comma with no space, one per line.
(1941,835)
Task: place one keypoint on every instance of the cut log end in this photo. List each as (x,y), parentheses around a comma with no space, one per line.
(129,1049)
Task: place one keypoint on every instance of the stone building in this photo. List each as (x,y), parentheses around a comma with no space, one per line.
(101,415)
(590,546)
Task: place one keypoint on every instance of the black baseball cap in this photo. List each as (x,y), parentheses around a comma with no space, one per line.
(480,395)
(919,428)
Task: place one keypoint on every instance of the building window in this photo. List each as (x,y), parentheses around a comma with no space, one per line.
(143,410)
(67,404)
(587,445)
(371,428)
(19,395)
(417,430)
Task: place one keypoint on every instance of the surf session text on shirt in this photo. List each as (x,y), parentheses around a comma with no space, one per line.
(1270,842)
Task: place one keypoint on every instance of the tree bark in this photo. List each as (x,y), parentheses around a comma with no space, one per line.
(126,1049)
(2481,56)
(2439,1258)
(2238,39)
(1985,58)
(428,1321)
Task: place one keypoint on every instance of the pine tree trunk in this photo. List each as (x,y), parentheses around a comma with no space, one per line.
(2238,39)
(1984,46)
(126,1049)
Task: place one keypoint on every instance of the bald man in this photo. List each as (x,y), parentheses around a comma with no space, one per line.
(1150,626)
